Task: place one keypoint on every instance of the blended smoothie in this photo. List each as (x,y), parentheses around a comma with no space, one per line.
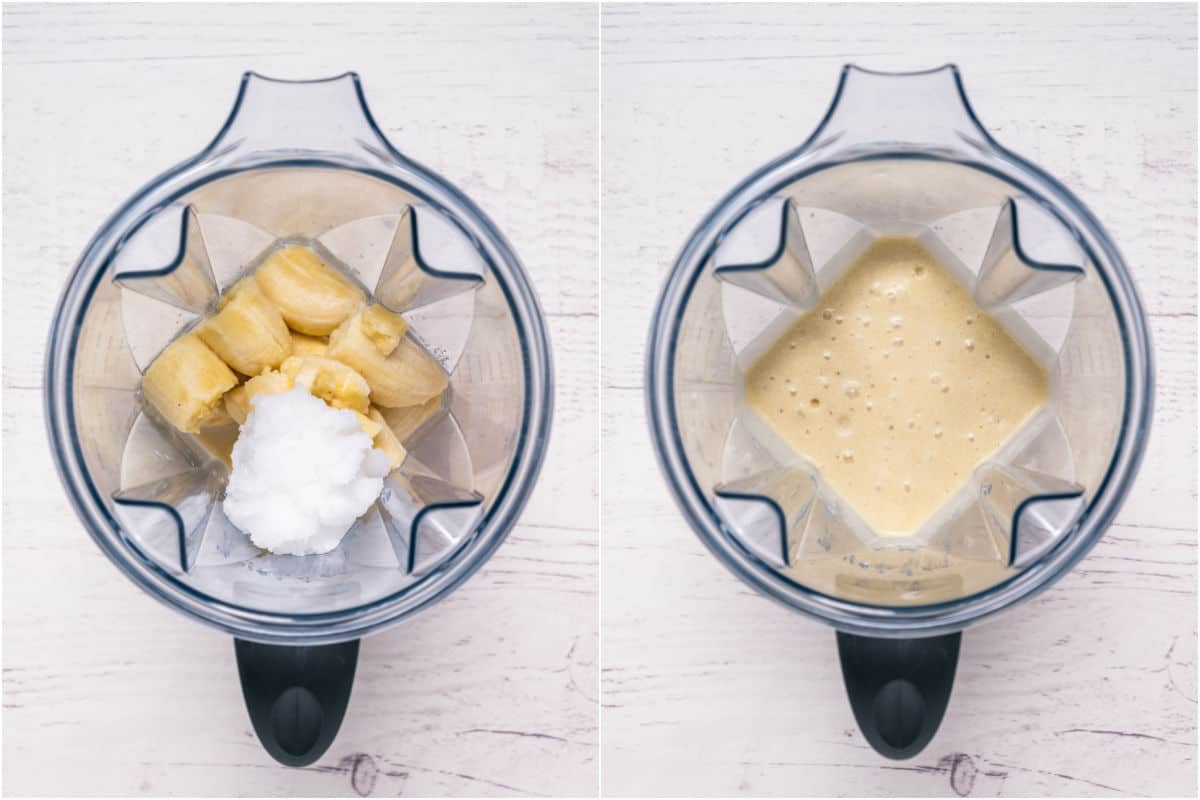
(896,385)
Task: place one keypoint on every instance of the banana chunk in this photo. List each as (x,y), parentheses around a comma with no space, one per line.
(305,345)
(332,381)
(237,401)
(382,327)
(248,332)
(217,417)
(370,427)
(185,383)
(313,297)
(385,439)
(400,374)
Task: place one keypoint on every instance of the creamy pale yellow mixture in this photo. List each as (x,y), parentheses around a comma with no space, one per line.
(896,385)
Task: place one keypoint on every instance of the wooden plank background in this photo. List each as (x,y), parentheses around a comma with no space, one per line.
(493,692)
(709,689)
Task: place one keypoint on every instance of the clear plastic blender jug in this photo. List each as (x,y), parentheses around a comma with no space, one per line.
(299,163)
(901,154)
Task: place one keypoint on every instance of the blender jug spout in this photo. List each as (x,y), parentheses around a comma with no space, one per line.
(301,118)
(926,110)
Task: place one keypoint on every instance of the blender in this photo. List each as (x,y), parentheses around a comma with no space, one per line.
(299,162)
(900,154)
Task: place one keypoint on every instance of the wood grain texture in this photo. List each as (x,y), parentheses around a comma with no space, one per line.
(493,692)
(709,689)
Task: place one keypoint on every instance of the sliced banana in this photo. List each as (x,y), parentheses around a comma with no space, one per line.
(405,375)
(313,297)
(369,426)
(385,439)
(217,417)
(242,285)
(248,332)
(237,401)
(186,381)
(384,328)
(332,381)
(372,327)
(305,345)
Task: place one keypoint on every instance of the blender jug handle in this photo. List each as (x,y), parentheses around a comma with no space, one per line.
(296,696)
(898,688)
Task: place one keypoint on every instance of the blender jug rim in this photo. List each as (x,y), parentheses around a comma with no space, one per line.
(498,516)
(866,618)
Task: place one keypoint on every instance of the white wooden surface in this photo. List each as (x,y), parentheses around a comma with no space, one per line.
(493,692)
(709,689)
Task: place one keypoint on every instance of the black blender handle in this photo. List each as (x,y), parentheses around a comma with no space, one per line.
(296,696)
(898,688)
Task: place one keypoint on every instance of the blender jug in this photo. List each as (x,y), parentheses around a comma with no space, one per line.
(900,154)
(299,163)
